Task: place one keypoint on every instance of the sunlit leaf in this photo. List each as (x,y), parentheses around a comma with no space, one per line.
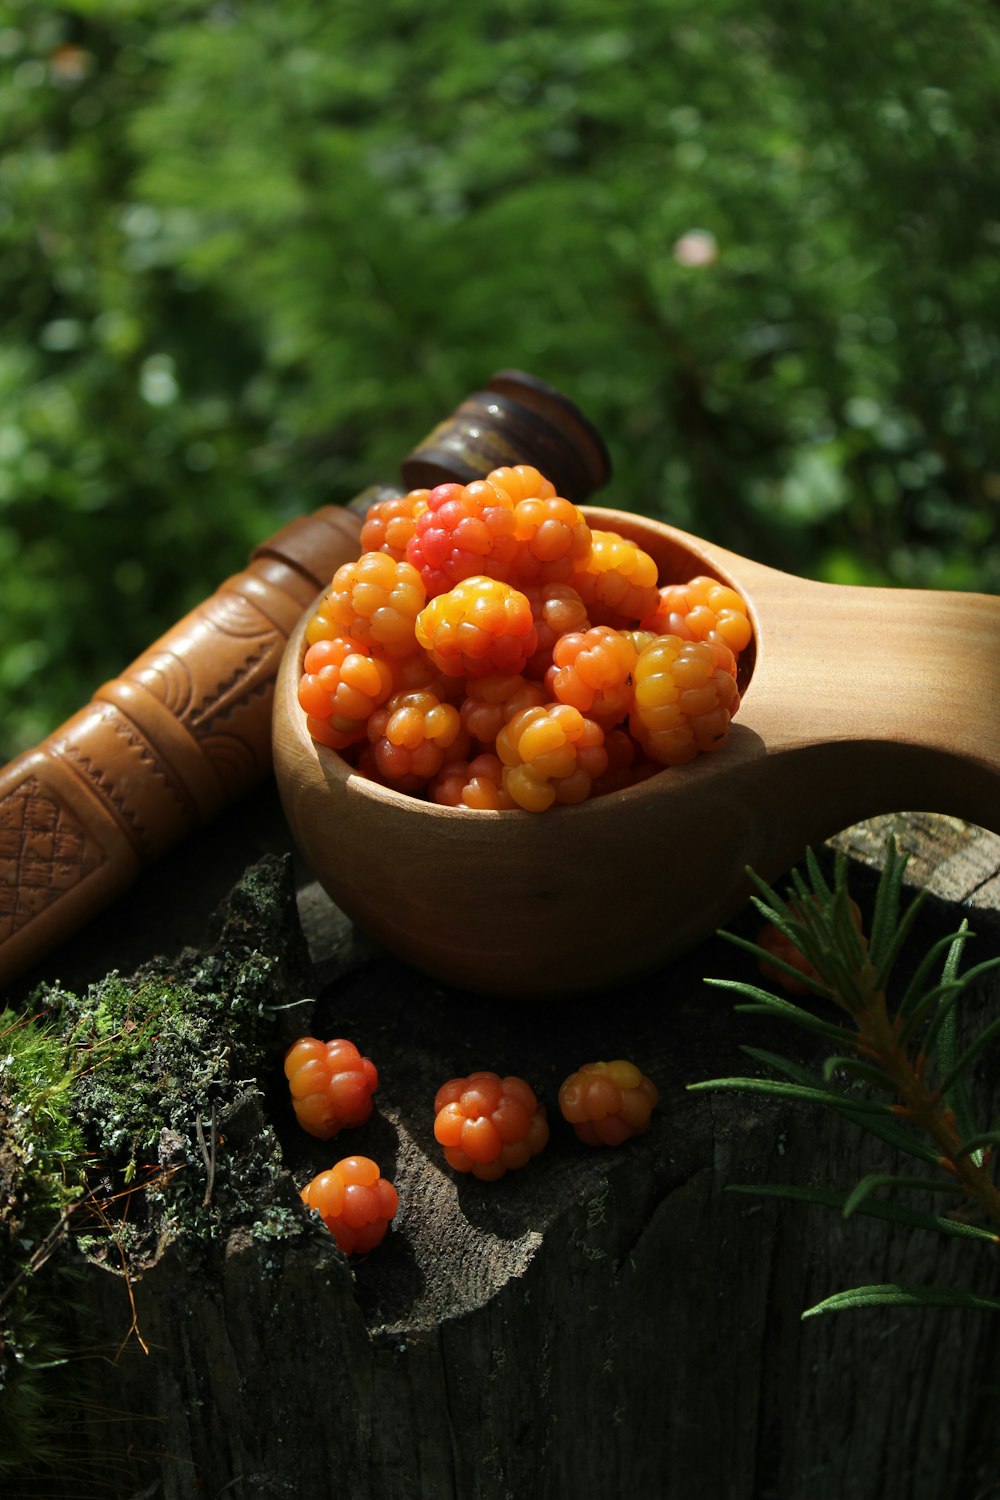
(890,1295)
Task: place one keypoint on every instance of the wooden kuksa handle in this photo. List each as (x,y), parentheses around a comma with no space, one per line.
(186,729)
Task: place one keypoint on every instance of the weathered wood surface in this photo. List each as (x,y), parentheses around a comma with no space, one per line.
(599,1324)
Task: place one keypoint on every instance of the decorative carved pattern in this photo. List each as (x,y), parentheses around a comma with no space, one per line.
(104,769)
(44,851)
(228,696)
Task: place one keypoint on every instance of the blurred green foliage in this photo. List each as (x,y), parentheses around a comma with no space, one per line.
(252,252)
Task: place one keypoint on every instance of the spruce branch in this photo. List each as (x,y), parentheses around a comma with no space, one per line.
(898,1069)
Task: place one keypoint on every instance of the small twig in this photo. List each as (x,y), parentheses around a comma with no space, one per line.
(39,1256)
(208,1155)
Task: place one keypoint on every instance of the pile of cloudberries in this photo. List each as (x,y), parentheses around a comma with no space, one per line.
(487,1126)
(489,649)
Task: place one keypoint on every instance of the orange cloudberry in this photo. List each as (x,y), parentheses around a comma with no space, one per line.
(491,701)
(616,581)
(475,783)
(374,600)
(521,482)
(607,1102)
(478,628)
(592,670)
(389,523)
(331,1085)
(354,1201)
(550,754)
(411,734)
(556,609)
(553,540)
(489,1125)
(685,697)
(628,764)
(703,609)
(340,686)
(780,946)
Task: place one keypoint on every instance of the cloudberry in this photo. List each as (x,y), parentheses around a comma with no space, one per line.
(331,1085)
(703,609)
(617,580)
(411,734)
(374,600)
(389,524)
(627,764)
(480,627)
(476,783)
(489,1125)
(522,482)
(556,609)
(340,686)
(606,1103)
(550,754)
(685,697)
(774,941)
(354,1201)
(491,701)
(592,670)
(553,540)
(465,531)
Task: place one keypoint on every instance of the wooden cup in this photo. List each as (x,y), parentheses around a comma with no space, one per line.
(856,701)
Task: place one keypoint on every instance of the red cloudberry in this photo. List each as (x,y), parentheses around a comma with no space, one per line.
(464,531)
(606,1103)
(331,1085)
(776,943)
(489,1125)
(354,1201)
(685,697)
(480,627)
(550,754)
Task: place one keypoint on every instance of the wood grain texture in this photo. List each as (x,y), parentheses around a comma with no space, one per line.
(855,702)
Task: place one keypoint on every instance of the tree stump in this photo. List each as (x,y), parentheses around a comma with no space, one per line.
(601,1323)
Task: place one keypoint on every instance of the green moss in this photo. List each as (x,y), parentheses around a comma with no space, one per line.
(132,1115)
(41,1178)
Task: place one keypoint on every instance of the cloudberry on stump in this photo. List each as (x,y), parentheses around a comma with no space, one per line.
(489,1125)
(354,1201)
(331,1085)
(774,941)
(606,1103)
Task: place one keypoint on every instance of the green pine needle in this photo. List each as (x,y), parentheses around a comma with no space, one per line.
(891,1295)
